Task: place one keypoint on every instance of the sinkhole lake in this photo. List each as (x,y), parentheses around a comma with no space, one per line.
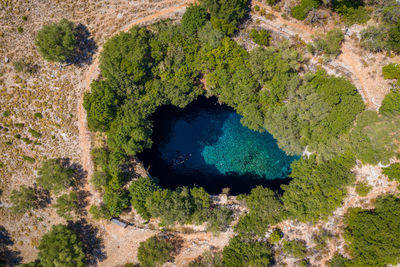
(205,144)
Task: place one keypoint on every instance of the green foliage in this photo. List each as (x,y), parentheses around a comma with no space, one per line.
(38,115)
(260,37)
(115,201)
(24,199)
(208,36)
(373,39)
(6,113)
(330,43)
(372,236)
(140,190)
(317,189)
(275,236)
(219,219)
(372,140)
(20,29)
(100,180)
(353,11)
(393,171)
(392,71)
(207,259)
(34,133)
(393,41)
(29,159)
(66,205)
(264,210)
(338,261)
(60,247)
(194,18)
(295,248)
(99,212)
(22,66)
(154,252)
(54,176)
(246,253)
(101,106)
(300,11)
(363,189)
(57,41)
(231,11)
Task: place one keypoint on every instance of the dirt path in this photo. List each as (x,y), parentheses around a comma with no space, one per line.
(93,72)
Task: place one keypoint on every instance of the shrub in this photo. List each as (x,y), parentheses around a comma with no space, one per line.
(6,113)
(99,212)
(260,37)
(372,235)
(275,236)
(373,39)
(194,18)
(61,247)
(29,159)
(19,125)
(393,171)
(66,205)
(256,8)
(54,176)
(390,104)
(330,43)
(57,41)
(219,219)
(338,261)
(393,41)
(116,201)
(295,248)
(24,18)
(353,11)
(392,71)
(38,115)
(363,189)
(27,140)
(300,11)
(141,189)
(247,253)
(34,133)
(20,29)
(22,66)
(154,252)
(99,180)
(23,199)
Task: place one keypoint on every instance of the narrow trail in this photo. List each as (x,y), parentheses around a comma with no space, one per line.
(93,72)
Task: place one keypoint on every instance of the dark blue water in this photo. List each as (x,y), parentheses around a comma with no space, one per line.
(206,145)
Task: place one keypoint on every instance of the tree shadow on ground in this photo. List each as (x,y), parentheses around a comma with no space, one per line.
(8,257)
(93,244)
(80,175)
(86,47)
(44,198)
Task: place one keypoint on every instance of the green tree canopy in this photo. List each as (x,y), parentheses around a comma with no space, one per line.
(194,18)
(54,176)
(60,247)
(57,41)
(66,205)
(373,235)
(23,199)
(140,190)
(154,252)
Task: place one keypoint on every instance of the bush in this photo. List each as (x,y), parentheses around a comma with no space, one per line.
(338,261)
(116,201)
(219,219)
(393,41)
(256,8)
(66,205)
(300,11)
(20,29)
(99,180)
(61,247)
(99,212)
(391,71)
(154,252)
(140,190)
(57,41)
(393,171)
(363,189)
(372,235)
(34,133)
(29,159)
(23,200)
(330,43)
(246,253)
(373,39)
(6,113)
(54,176)
(22,66)
(275,236)
(38,115)
(260,37)
(295,248)
(390,104)
(353,11)
(194,18)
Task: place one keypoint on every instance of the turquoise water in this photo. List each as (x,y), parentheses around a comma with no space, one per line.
(205,144)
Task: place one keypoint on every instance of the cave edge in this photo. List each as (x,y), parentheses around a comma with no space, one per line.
(163,119)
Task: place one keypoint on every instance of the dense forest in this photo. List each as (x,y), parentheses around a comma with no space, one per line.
(307,112)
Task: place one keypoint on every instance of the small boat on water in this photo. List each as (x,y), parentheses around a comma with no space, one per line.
(181,159)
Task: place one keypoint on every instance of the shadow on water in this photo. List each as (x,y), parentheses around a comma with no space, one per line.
(174,136)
